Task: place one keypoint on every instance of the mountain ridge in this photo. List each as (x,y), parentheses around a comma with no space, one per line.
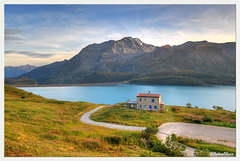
(132,56)
(14,71)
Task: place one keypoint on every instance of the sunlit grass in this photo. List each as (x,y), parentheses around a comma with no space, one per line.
(40,127)
(209,146)
(120,114)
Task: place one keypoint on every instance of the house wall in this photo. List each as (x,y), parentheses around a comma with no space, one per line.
(148,101)
(129,105)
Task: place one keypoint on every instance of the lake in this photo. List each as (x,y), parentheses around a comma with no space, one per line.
(201,96)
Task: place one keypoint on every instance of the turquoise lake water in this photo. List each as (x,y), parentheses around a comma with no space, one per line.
(203,96)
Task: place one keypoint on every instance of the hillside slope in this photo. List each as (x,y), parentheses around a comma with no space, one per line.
(40,127)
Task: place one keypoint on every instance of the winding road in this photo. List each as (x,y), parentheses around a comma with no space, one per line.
(211,134)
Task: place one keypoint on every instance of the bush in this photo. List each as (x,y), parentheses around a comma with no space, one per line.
(174,147)
(189,105)
(201,153)
(149,131)
(217,108)
(197,120)
(175,109)
(152,142)
(113,139)
(207,118)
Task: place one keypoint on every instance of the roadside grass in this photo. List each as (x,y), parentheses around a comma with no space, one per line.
(120,114)
(38,127)
(203,145)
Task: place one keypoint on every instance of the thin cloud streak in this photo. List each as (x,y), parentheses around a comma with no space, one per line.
(28,53)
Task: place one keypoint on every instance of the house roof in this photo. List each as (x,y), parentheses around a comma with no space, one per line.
(148,95)
(131,102)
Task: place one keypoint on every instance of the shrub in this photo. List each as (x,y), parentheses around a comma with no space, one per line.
(207,118)
(197,120)
(149,131)
(201,153)
(113,139)
(152,142)
(189,105)
(160,147)
(175,148)
(175,109)
(217,108)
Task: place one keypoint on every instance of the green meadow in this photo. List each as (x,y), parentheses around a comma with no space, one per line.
(40,127)
(120,114)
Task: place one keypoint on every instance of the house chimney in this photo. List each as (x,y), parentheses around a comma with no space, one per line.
(148,93)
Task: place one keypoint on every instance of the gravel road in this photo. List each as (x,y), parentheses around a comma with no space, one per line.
(211,134)
(85,118)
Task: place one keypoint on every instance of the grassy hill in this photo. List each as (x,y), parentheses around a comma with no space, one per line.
(40,127)
(20,81)
(127,116)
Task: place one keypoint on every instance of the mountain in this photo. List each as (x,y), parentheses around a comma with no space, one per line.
(10,71)
(191,63)
(43,71)
(97,57)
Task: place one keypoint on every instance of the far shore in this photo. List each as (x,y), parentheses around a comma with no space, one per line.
(61,85)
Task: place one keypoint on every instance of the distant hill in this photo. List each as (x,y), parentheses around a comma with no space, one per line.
(43,71)
(20,81)
(129,59)
(10,71)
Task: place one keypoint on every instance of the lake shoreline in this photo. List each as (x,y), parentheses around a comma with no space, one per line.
(62,85)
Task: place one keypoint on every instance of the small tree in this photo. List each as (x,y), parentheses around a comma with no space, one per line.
(149,131)
(189,105)
(217,108)
(201,153)
(175,148)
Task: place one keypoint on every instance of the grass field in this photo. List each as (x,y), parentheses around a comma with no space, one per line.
(203,145)
(40,127)
(119,114)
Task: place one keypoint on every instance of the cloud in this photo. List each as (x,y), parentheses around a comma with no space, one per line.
(13,31)
(12,34)
(66,32)
(196,20)
(28,53)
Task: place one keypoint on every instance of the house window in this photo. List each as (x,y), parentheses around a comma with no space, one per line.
(140,99)
(155,107)
(145,99)
(150,106)
(144,105)
(152,100)
(140,106)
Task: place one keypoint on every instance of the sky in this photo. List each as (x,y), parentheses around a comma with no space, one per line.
(42,34)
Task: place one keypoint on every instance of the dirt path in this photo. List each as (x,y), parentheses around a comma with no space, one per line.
(211,134)
(85,118)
